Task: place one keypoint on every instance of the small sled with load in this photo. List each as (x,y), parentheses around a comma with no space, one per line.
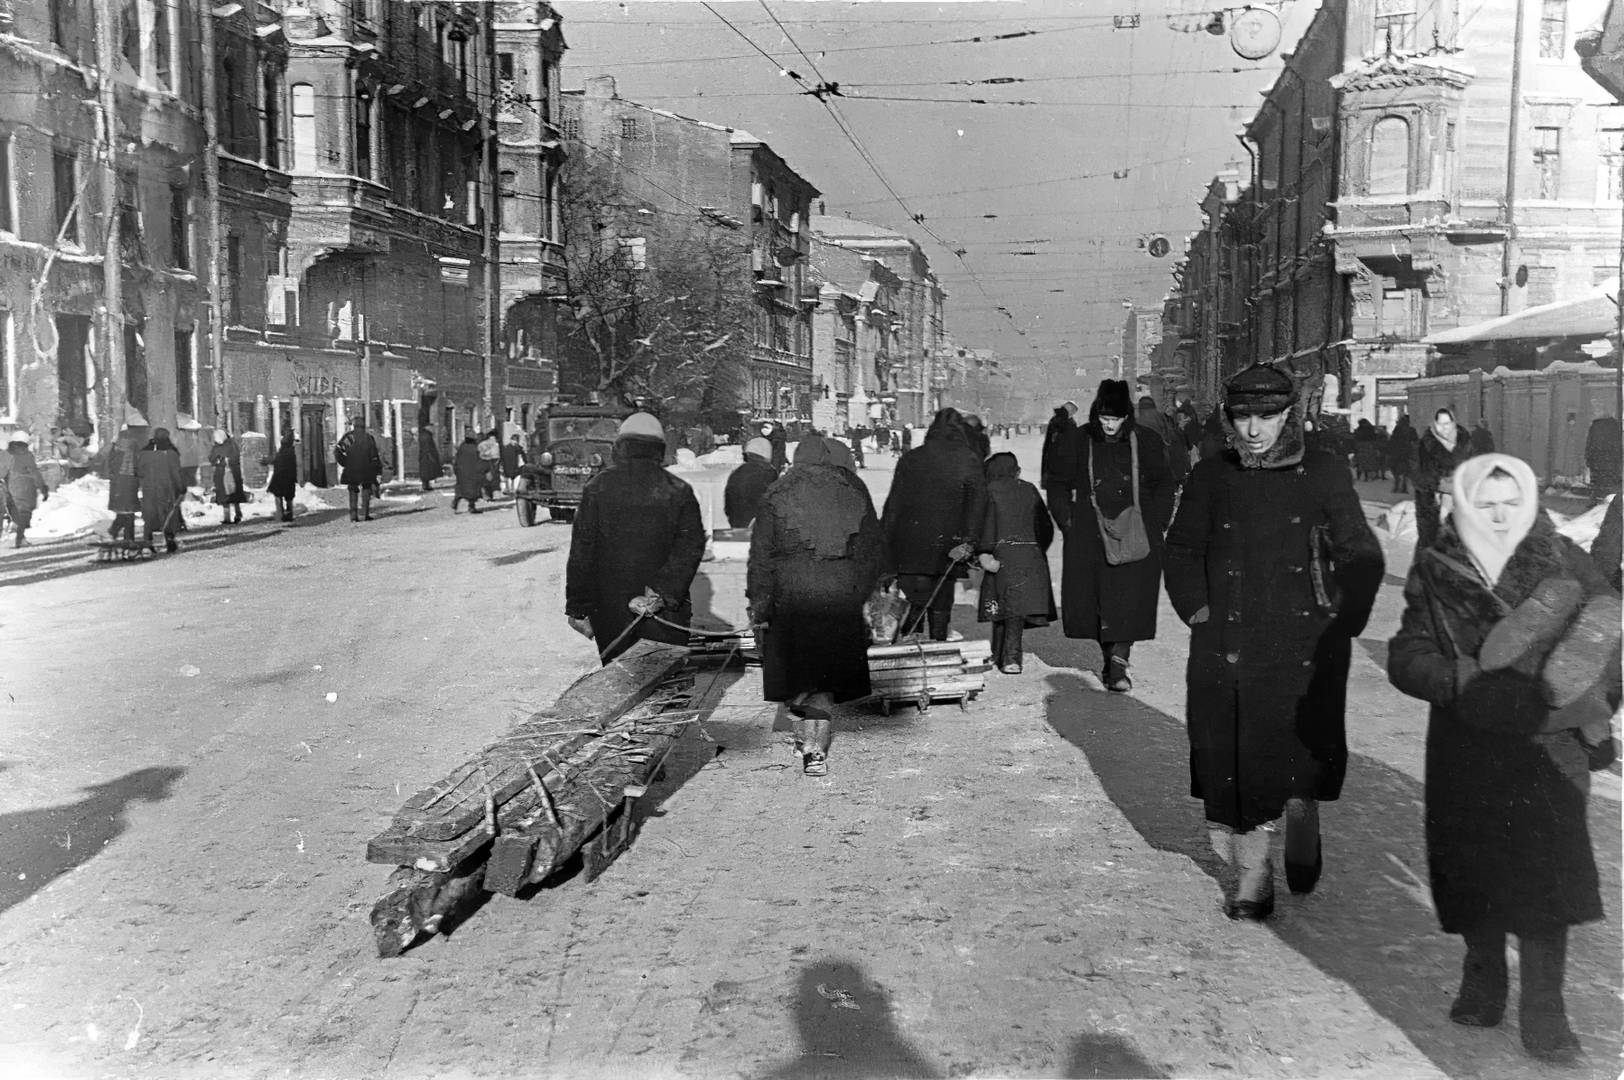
(121,551)
(923,673)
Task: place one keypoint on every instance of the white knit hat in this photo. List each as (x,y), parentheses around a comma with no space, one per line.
(641,425)
(759,447)
(18,436)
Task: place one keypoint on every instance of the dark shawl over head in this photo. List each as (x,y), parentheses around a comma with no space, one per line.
(818,499)
(1002,466)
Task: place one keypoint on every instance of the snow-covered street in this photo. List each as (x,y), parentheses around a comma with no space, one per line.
(197,748)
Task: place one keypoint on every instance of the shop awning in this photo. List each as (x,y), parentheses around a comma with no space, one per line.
(1593,315)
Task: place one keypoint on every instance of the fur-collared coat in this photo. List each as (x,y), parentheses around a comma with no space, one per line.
(1099,601)
(1267,676)
(1507,776)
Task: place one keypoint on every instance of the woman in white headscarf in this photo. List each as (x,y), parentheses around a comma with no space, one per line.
(1505,634)
(1443,446)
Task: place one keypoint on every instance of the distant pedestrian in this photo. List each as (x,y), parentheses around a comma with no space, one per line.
(1150,418)
(1512,637)
(1055,435)
(778,440)
(1111,495)
(1607,550)
(1604,454)
(1482,438)
(22,484)
(815,557)
(228,490)
(1272,565)
(634,547)
(284,482)
(907,437)
(513,456)
(123,489)
(157,470)
(468,470)
(882,439)
(1368,460)
(429,466)
(1401,454)
(932,520)
(361,467)
(856,436)
(490,456)
(1015,536)
(977,431)
(741,500)
(1442,448)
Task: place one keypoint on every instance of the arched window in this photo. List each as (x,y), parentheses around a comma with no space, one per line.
(304,127)
(1390,157)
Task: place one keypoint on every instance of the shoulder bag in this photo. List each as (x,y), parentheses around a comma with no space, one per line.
(1123,537)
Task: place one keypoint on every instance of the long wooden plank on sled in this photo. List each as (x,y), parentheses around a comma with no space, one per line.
(915,663)
(922,648)
(457,804)
(943,687)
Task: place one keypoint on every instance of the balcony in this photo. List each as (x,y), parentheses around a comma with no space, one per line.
(346,213)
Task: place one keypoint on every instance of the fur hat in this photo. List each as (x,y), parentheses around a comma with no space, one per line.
(642,425)
(1113,399)
(759,447)
(1260,390)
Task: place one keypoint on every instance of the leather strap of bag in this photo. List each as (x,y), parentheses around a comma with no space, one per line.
(1133,456)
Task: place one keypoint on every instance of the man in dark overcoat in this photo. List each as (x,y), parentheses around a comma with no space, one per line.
(123,490)
(361,467)
(1094,474)
(468,473)
(157,471)
(634,548)
(748,483)
(1269,651)
(932,519)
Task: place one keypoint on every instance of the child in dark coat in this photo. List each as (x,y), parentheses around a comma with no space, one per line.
(1015,536)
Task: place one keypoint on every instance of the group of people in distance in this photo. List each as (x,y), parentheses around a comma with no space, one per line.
(1510,632)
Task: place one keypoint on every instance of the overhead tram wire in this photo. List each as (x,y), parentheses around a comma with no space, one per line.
(857,145)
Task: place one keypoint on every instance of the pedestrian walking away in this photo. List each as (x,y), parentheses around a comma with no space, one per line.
(1055,436)
(635,546)
(1272,565)
(1442,448)
(157,471)
(933,517)
(22,485)
(1016,592)
(741,499)
(513,456)
(468,475)
(284,482)
(361,467)
(1511,635)
(815,556)
(1401,454)
(1150,418)
(429,466)
(228,490)
(123,489)
(1111,496)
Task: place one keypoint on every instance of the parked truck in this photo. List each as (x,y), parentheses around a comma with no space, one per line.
(573,444)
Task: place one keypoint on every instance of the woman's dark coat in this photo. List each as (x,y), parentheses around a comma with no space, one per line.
(429,466)
(1268,669)
(1099,601)
(816,637)
(741,501)
(469,471)
(637,527)
(1507,777)
(512,454)
(1061,424)
(1017,532)
(1435,464)
(357,455)
(938,500)
(284,471)
(1607,550)
(157,470)
(23,483)
(227,462)
(123,489)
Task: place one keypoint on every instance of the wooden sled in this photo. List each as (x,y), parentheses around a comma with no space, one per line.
(923,673)
(116,551)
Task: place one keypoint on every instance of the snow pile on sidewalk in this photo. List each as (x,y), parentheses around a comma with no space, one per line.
(75,509)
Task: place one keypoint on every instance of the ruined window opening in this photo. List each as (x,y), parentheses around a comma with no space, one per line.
(1389,171)
(1553,29)
(271,90)
(363,133)
(65,180)
(304,127)
(185,382)
(1548,162)
(135,365)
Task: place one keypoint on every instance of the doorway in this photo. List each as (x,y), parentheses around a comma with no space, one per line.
(313,436)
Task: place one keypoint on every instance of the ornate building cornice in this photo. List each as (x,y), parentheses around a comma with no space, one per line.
(1399,72)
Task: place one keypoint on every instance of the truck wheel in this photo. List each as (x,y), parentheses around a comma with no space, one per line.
(522,505)
(561,513)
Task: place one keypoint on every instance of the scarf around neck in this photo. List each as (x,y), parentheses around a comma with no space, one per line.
(1491,550)
(1447,442)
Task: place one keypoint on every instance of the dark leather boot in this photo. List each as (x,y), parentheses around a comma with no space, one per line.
(1482,998)
(1543,1015)
(355,497)
(1304,854)
(1115,675)
(366,505)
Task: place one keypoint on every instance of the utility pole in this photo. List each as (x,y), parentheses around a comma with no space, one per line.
(211,199)
(487,191)
(1513,150)
(110,354)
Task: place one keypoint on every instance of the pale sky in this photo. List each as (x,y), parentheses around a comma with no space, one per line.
(1161,103)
